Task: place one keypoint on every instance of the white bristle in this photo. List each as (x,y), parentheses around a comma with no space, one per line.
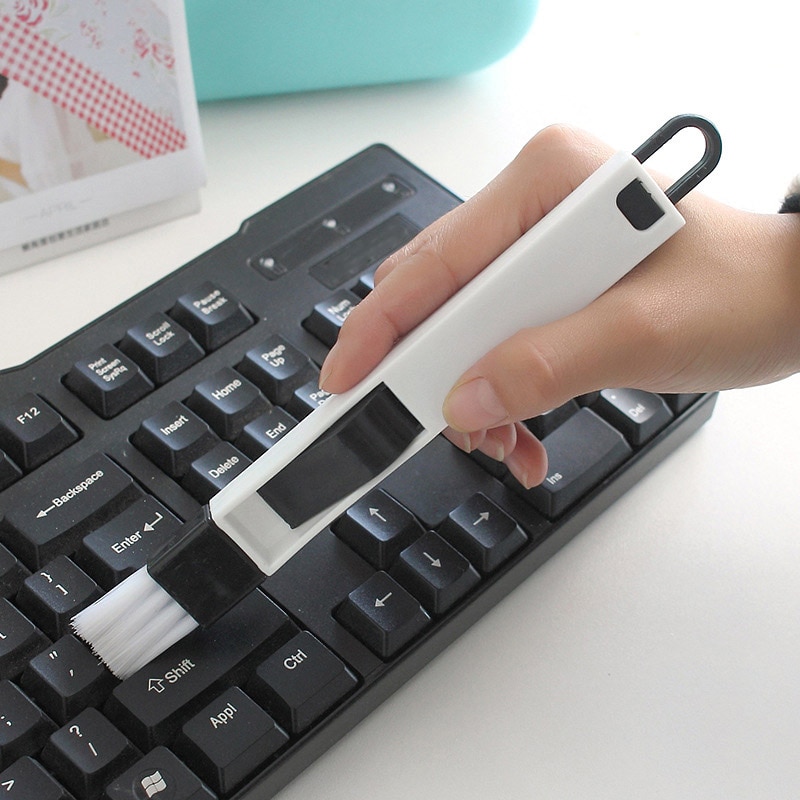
(132,624)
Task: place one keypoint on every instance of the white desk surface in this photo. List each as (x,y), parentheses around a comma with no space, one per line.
(657,655)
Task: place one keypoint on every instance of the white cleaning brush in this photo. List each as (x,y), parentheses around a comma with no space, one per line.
(153,621)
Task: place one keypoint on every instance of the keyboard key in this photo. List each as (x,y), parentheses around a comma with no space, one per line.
(152,704)
(366,282)
(66,678)
(326,318)
(12,573)
(31,431)
(382,614)
(306,398)
(639,415)
(174,438)
(377,527)
(580,454)
(24,727)
(229,739)
(227,401)
(482,531)
(107,381)
(678,403)
(435,572)
(54,518)
(300,682)
(264,431)
(546,423)
(215,469)
(28,780)
(20,640)
(161,347)
(277,368)
(211,314)
(158,774)
(87,752)
(587,399)
(9,471)
(54,594)
(117,549)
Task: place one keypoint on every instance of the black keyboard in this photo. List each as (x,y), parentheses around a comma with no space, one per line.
(113,437)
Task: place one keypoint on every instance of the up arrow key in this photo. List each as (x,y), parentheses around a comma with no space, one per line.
(378,528)
(8,785)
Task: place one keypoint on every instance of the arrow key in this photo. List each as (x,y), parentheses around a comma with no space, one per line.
(483,532)
(435,572)
(383,615)
(378,528)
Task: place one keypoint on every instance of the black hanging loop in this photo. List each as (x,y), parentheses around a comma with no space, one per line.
(702,168)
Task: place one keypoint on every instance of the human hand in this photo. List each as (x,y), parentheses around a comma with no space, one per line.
(716,307)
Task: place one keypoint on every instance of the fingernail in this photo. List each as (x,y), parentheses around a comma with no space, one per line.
(474,405)
(519,469)
(326,369)
(459,439)
(493,448)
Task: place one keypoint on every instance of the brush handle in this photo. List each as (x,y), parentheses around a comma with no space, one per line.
(602,230)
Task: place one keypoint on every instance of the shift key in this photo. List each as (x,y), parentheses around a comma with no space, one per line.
(53,520)
(152,704)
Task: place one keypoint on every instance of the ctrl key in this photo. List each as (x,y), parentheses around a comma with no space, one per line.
(300,682)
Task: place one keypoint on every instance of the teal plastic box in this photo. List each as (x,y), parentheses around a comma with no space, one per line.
(254,47)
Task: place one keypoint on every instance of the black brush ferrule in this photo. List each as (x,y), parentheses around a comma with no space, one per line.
(204,570)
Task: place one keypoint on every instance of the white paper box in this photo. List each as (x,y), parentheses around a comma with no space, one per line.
(99,132)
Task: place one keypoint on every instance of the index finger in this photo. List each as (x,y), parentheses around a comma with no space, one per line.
(416,280)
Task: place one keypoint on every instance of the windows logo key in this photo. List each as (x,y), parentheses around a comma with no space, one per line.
(153,784)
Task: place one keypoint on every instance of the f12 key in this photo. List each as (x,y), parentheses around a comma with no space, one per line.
(32,431)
